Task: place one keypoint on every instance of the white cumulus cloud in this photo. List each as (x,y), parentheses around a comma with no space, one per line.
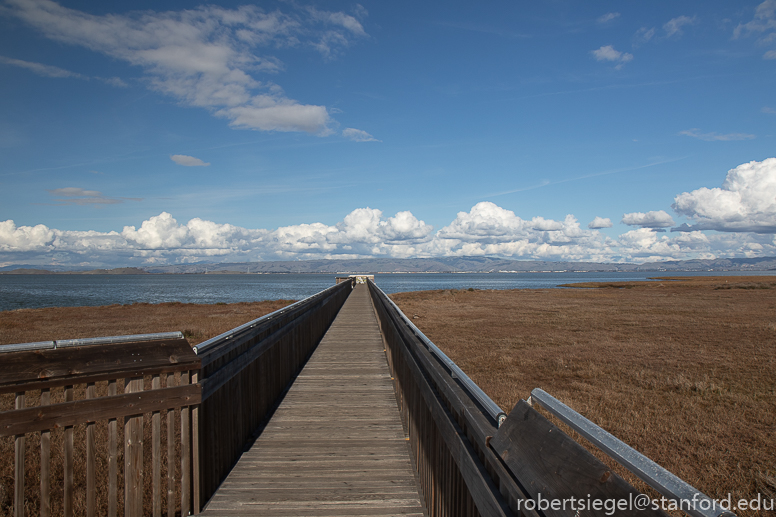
(746,201)
(600,222)
(742,211)
(188,161)
(25,238)
(654,219)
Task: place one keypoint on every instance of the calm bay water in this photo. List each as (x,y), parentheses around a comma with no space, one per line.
(35,291)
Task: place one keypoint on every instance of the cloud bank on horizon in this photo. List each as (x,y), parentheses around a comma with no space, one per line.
(742,211)
(151,133)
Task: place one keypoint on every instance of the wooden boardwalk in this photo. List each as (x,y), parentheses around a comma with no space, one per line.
(335,446)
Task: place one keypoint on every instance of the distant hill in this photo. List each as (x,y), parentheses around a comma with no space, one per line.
(115,271)
(464,264)
(724,264)
(427,265)
(380,265)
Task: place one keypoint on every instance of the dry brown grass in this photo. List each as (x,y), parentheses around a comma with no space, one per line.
(197,322)
(682,370)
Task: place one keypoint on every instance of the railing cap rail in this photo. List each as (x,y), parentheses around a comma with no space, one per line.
(90,341)
(696,503)
(475,391)
(41,367)
(25,347)
(211,343)
(111,340)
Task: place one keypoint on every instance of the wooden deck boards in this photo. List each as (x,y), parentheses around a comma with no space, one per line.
(335,446)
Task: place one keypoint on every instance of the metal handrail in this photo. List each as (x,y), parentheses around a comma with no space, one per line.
(475,391)
(106,340)
(691,500)
(23,347)
(210,343)
(63,343)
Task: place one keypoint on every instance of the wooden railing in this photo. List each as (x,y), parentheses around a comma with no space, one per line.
(447,430)
(68,406)
(76,402)
(470,458)
(244,374)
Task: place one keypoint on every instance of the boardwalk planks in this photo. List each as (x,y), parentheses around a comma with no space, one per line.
(335,446)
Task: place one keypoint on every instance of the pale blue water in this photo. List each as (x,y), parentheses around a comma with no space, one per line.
(34,291)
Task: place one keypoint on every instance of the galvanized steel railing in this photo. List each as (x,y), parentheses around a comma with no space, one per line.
(689,499)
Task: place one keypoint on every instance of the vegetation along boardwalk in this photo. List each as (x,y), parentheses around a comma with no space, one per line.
(335,446)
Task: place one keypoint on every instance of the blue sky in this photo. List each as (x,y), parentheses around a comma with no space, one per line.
(233,131)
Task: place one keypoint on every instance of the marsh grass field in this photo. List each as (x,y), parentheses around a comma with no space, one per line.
(683,369)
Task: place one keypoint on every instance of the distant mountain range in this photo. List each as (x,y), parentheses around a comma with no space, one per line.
(429,265)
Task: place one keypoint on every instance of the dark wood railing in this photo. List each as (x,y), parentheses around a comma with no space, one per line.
(80,400)
(244,374)
(447,430)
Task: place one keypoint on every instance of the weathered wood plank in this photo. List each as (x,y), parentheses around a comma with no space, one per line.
(546,461)
(68,484)
(133,457)
(196,481)
(91,482)
(22,367)
(185,452)
(45,461)
(170,453)
(80,411)
(19,449)
(156,454)
(113,438)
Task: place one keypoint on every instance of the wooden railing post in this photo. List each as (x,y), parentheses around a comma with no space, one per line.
(45,461)
(156,454)
(19,446)
(170,453)
(91,482)
(185,453)
(68,484)
(195,450)
(113,434)
(133,457)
